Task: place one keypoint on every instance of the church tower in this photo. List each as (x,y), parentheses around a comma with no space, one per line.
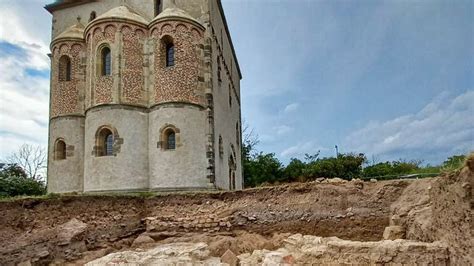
(145,96)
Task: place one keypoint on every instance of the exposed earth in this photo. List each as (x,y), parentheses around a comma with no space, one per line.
(328,221)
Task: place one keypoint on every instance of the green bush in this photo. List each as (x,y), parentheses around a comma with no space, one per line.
(454,162)
(262,168)
(345,166)
(394,168)
(294,171)
(14,182)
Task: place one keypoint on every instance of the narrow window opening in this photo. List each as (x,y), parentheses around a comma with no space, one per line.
(230,96)
(157,7)
(169,54)
(106,58)
(109,143)
(221,147)
(64,69)
(237,134)
(92,16)
(68,70)
(60,150)
(219,69)
(170,140)
(105,142)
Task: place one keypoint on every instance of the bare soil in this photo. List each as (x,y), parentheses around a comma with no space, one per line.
(78,229)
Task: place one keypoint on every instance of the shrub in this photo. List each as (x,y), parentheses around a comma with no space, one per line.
(394,168)
(294,171)
(454,162)
(262,168)
(345,166)
(14,182)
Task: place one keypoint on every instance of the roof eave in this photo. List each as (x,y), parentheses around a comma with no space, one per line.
(61,5)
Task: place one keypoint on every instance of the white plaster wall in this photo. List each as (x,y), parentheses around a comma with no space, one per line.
(225,116)
(66,175)
(198,9)
(184,167)
(127,170)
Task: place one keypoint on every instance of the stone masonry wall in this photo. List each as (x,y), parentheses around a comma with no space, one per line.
(104,84)
(133,90)
(178,83)
(65,94)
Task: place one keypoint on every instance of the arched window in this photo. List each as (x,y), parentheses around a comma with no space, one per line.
(60,150)
(92,16)
(106,61)
(232,168)
(170,139)
(168,50)
(64,68)
(221,147)
(105,142)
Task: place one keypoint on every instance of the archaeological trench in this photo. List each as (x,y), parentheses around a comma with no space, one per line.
(425,221)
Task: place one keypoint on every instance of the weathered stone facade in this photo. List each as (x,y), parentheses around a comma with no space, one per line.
(130,121)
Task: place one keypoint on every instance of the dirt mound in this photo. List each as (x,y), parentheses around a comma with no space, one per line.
(441,211)
(80,229)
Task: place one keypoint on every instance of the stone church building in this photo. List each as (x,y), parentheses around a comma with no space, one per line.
(145,95)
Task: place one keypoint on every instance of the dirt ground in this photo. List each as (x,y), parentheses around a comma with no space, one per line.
(78,229)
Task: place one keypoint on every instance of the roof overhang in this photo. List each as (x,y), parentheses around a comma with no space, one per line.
(61,4)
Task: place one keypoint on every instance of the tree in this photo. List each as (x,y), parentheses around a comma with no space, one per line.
(14,182)
(379,169)
(454,162)
(346,166)
(250,140)
(294,170)
(310,158)
(263,168)
(392,168)
(31,158)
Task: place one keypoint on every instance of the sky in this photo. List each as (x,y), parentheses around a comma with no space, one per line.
(390,79)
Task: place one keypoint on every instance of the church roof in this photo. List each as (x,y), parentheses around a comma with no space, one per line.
(122,12)
(76,31)
(61,4)
(176,13)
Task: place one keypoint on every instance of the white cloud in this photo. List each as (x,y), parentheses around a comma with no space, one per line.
(442,128)
(24,103)
(24,98)
(300,149)
(282,129)
(291,107)
(30,32)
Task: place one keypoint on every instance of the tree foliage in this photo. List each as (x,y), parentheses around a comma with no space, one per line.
(454,162)
(345,166)
(262,168)
(392,168)
(14,181)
